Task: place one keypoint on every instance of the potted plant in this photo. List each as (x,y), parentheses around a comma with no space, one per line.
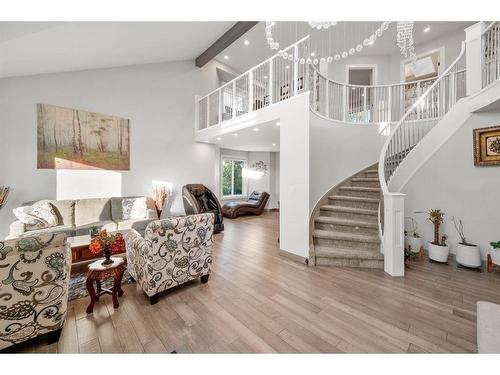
(468,254)
(93,231)
(413,242)
(494,255)
(438,249)
(108,244)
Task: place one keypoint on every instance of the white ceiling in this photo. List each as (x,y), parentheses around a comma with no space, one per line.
(243,57)
(250,140)
(28,48)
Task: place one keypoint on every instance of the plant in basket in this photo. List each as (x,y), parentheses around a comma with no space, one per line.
(107,244)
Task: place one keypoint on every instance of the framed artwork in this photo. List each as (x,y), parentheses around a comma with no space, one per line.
(487,146)
(74,139)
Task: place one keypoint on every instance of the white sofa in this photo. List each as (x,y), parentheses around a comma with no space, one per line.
(35,274)
(488,327)
(76,217)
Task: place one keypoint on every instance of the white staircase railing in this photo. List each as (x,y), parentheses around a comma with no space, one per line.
(418,120)
(272,81)
(421,117)
(363,104)
(490,51)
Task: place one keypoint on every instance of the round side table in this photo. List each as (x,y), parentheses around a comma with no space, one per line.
(97,273)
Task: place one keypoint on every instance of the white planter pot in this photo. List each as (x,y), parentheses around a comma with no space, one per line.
(415,243)
(495,256)
(468,256)
(438,253)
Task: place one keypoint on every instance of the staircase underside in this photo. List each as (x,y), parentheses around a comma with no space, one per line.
(345,232)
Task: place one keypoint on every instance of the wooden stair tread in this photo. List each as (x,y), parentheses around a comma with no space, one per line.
(352,210)
(360,188)
(352,253)
(354,199)
(347,222)
(365,179)
(347,236)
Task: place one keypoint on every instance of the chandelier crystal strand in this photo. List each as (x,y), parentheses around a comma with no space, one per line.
(325,54)
(404,38)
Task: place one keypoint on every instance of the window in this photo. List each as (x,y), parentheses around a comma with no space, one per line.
(232,177)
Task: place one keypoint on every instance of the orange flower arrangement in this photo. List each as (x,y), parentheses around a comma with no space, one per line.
(107,244)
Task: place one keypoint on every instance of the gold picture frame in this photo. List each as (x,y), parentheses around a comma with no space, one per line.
(487,146)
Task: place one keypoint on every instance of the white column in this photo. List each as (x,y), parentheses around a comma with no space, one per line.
(393,241)
(473,53)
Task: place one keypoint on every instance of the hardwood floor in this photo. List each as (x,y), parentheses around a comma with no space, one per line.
(257,301)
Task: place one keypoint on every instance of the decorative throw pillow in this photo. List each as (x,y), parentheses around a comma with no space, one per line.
(38,216)
(134,208)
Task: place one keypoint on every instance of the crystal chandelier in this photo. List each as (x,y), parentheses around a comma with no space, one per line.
(322,24)
(321,39)
(404,39)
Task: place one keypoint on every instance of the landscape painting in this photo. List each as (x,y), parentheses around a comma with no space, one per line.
(75,139)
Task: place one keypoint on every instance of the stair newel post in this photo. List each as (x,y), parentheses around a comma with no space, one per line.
(474,54)
(393,238)
(327,100)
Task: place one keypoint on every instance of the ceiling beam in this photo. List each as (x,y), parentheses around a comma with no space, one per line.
(238,29)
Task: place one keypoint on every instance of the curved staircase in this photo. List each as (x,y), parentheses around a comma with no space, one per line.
(345,227)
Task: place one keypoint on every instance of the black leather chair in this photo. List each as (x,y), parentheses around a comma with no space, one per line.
(199,199)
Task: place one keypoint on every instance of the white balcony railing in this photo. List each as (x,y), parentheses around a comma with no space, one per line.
(490,51)
(278,79)
(364,104)
(272,81)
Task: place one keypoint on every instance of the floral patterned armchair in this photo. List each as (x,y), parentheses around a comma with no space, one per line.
(173,251)
(34,279)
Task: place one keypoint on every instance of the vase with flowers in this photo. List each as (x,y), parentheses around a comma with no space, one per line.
(107,244)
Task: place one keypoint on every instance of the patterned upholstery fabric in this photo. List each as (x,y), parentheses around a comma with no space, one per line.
(34,279)
(175,250)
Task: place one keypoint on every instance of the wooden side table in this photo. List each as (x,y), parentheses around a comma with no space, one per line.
(97,273)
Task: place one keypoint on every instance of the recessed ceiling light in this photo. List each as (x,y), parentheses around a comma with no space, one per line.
(313,54)
(427,29)
(219,138)
(206,141)
(246,42)
(287,67)
(235,134)
(265,77)
(278,123)
(226,57)
(371,42)
(274,144)
(255,129)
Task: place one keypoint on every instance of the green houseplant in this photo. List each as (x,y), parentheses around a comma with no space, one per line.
(438,249)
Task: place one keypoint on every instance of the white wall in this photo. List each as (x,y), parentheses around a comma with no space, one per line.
(159,101)
(450,181)
(339,150)
(389,65)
